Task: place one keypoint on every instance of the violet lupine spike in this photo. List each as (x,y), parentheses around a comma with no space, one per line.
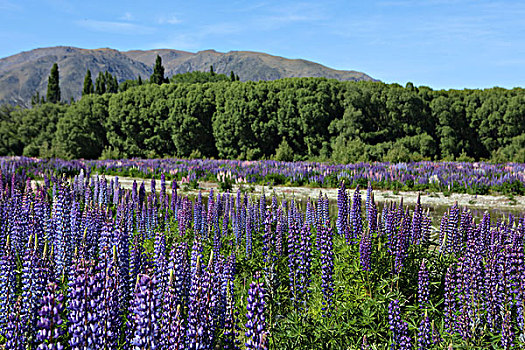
(231,326)
(327,266)
(31,291)
(355,215)
(200,329)
(110,302)
(172,325)
(304,265)
(423,287)
(507,334)
(78,306)
(256,333)
(143,315)
(14,330)
(424,335)
(181,272)
(365,251)
(7,284)
(398,327)
(50,332)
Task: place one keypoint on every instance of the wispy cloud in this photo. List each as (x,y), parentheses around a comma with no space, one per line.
(194,38)
(283,15)
(6,5)
(127,17)
(115,27)
(171,19)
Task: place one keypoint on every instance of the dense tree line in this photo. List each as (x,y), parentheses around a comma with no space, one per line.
(203,114)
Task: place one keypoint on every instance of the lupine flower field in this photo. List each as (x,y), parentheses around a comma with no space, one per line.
(461,177)
(86,264)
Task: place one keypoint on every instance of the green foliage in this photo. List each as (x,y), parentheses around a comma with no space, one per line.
(198,77)
(100,84)
(320,119)
(80,133)
(88,88)
(158,72)
(284,152)
(53,86)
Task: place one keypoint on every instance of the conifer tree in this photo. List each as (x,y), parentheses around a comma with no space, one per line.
(53,88)
(232,76)
(100,84)
(158,72)
(212,71)
(88,84)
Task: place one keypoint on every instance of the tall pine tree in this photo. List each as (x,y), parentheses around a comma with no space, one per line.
(88,84)
(100,84)
(158,72)
(53,88)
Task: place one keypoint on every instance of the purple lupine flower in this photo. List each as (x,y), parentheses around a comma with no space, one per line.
(172,326)
(355,215)
(231,326)
(256,334)
(398,327)
(304,264)
(7,284)
(110,302)
(423,286)
(181,272)
(327,266)
(49,326)
(199,332)
(342,212)
(424,335)
(450,300)
(143,315)
(507,334)
(365,251)
(14,329)
(78,325)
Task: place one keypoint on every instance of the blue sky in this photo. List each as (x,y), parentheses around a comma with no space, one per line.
(438,43)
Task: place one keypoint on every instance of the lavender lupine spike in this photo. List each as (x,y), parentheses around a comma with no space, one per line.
(256,333)
(423,287)
(231,326)
(342,212)
(327,266)
(355,215)
(365,251)
(49,326)
(172,326)
(7,284)
(507,334)
(398,327)
(143,313)
(424,335)
(14,330)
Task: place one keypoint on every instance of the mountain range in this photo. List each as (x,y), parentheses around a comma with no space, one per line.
(24,74)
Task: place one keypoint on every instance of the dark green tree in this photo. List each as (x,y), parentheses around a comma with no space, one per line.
(139,81)
(158,72)
(53,88)
(211,70)
(111,83)
(100,84)
(88,84)
(232,76)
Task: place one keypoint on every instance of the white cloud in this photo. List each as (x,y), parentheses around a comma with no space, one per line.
(115,27)
(127,17)
(169,20)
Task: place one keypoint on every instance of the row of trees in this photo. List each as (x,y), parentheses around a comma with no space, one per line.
(203,114)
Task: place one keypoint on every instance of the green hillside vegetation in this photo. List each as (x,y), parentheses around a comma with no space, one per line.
(203,114)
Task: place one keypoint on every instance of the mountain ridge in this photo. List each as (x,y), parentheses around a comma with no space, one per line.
(25,73)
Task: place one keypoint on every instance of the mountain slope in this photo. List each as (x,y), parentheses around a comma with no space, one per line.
(23,74)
